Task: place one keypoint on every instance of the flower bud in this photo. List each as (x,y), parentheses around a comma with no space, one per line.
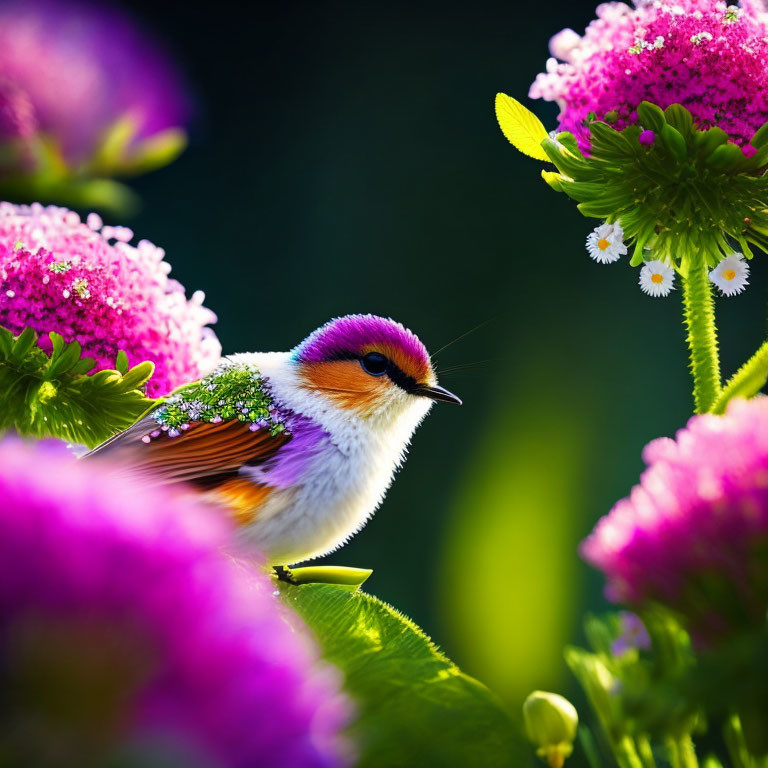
(550,723)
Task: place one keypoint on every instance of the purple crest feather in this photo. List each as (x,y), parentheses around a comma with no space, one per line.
(353,333)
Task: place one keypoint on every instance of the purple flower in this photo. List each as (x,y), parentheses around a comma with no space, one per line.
(707,56)
(124,629)
(81,68)
(693,535)
(646,138)
(633,634)
(88,284)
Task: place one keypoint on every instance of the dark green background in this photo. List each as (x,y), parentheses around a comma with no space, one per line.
(345,158)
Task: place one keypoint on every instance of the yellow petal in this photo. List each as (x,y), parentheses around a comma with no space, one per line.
(521,127)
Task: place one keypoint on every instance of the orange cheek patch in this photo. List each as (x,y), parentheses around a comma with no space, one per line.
(347,383)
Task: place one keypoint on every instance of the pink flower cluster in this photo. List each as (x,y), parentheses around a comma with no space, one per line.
(125,630)
(708,56)
(693,535)
(86,282)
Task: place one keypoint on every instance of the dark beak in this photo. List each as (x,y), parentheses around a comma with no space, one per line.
(435,393)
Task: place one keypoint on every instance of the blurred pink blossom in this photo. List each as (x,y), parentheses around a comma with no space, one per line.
(693,535)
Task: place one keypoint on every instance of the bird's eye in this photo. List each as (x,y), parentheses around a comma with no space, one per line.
(374,363)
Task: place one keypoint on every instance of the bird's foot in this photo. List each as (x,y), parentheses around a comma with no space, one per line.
(283,573)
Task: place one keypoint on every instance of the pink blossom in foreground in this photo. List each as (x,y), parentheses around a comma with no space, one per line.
(126,631)
(708,56)
(693,535)
(89,284)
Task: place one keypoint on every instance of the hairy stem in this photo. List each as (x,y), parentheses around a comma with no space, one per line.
(625,753)
(747,381)
(699,308)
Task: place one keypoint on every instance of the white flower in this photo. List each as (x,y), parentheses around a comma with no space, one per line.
(731,274)
(605,243)
(657,278)
(700,37)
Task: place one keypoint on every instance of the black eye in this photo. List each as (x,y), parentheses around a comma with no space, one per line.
(374,363)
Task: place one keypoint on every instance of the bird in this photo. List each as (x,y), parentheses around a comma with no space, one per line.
(298,447)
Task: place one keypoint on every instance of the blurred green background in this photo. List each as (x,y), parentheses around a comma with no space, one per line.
(345,158)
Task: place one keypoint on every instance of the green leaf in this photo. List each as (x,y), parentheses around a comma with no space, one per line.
(553,179)
(680,118)
(523,129)
(761,136)
(567,163)
(121,362)
(154,152)
(50,396)
(725,156)
(710,139)
(415,707)
(608,141)
(651,116)
(568,140)
(673,140)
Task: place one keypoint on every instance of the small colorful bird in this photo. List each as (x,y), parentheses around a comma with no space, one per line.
(301,446)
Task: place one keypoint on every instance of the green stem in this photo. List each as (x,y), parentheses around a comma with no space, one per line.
(699,309)
(625,753)
(589,747)
(687,752)
(645,752)
(747,381)
(682,753)
(734,741)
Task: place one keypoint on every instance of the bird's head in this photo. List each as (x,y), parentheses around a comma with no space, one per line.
(370,365)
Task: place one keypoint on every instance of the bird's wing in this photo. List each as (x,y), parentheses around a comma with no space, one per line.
(205,432)
(205,453)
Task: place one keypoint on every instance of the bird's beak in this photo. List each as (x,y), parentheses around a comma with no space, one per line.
(436,393)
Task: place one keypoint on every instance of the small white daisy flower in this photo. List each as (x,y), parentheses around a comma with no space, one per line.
(605,244)
(731,274)
(657,278)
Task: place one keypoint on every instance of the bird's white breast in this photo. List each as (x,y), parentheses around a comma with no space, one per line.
(345,480)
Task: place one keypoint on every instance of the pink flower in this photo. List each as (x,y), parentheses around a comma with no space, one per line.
(707,56)
(125,630)
(693,535)
(88,284)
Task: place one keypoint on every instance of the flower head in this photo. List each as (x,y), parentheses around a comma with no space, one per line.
(88,284)
(550,724)
(702,54)
(693,534)
(731,274)
(605,244)
(125,629)
(75,70)
(657,278)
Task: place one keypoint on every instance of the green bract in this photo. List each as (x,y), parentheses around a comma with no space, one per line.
(682,197)
(45,395)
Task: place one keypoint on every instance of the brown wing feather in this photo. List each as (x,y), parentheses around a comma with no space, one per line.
(206,453)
